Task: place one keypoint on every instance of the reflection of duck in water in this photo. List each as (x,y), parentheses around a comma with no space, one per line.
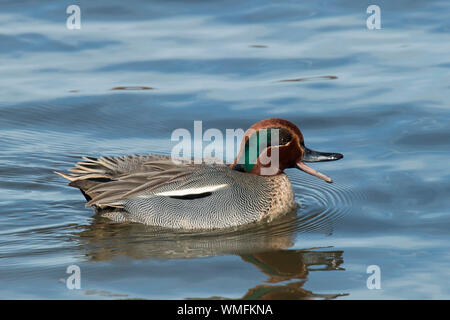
(264,246)
(290,291)
(153,190)
(285,265)
(103,239)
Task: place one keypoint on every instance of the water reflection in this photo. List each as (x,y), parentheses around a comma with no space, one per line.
(103,240)
(285,265)
(265,246)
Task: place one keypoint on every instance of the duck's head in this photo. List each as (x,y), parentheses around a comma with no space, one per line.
(272,145)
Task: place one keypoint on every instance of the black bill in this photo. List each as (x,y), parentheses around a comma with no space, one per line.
(317,156)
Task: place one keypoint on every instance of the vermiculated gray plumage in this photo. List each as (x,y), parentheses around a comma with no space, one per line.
(145,189)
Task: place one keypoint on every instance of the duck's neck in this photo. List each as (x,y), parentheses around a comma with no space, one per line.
(247,159)
(256,168)
(247,164)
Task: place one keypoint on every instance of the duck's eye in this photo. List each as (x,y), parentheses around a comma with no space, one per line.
(284,136)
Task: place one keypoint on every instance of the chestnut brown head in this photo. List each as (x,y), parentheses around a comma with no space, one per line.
(273,145)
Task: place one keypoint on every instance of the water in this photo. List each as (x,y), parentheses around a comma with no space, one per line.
(135,72)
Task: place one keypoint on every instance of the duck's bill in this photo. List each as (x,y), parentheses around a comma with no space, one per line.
(317,156)
(302,166)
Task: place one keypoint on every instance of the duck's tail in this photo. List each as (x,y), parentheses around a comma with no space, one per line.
(87,174)
(65,176)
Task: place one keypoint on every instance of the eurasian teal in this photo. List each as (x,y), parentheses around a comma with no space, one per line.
(155,190)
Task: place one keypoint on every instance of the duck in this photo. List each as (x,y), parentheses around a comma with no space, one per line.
(159,190)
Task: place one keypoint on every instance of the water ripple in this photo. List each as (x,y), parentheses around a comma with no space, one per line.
(322,205)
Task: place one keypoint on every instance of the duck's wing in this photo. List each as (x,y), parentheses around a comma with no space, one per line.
(92,175)
(109,181)
(155,176)
(110,167)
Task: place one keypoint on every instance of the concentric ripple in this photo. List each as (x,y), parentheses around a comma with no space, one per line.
(322,205)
